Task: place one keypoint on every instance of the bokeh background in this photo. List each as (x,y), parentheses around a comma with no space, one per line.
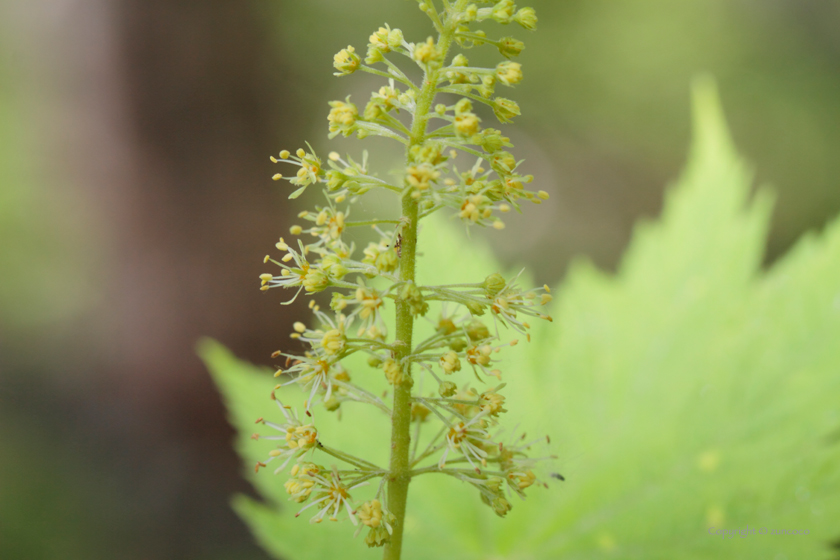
(136,206)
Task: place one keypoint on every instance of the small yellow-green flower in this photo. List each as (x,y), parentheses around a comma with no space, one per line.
(427,52)
(527,18)
(450,363)
(505,109)
(510,47)
(333,342)
(466,125)
(509,73)
(503,11)
(386,39)
(342,117)
(346,61)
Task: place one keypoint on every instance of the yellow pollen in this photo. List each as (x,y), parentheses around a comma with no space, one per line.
(277,177)
(284,154)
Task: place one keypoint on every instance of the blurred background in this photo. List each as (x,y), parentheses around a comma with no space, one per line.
(136,206)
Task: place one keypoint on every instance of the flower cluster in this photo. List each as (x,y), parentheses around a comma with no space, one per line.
(369,286)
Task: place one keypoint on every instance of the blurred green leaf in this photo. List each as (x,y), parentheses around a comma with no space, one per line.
(688,392)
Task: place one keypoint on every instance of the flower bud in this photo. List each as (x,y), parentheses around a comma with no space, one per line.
(315,281)
(394,373)
(386,39)
(332,404)
(503,162)
(447,389)
(510,47)
(411,294)
(373,55)
(492,403)
(355,188)
(333,341)
(333,265)
(460,60)
(498,501)
(395,38)
(428,152)
(477,330)
(335,179)
(505,109)
(374,110)
(342,117)
(419,412)
(346,61)
(421,176)
(527,18)
(377,537)
(463,107)
(338,302)
(475,308)
(501,506)
(466,125)
(509,73)
(470,13)
(503,11)
(370,513)
(427,52)
(458,344)
(450,363)
(445,325)
(491,140)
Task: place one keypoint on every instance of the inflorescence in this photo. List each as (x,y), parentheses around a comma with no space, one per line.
(468,444)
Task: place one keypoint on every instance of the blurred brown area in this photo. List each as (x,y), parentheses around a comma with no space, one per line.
(175,110)
(149,124)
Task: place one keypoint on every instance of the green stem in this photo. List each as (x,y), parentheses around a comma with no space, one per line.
(400,467)
(370,223)
(347,458)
